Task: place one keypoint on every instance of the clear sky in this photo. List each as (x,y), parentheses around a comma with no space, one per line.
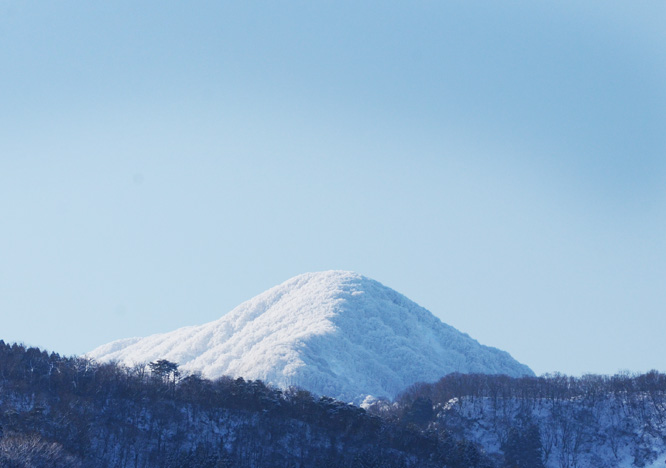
(502,164)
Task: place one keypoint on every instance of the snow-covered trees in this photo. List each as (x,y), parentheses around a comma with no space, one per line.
(593,420)
(19,451)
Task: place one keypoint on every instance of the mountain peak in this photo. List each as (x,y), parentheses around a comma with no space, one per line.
(335,333)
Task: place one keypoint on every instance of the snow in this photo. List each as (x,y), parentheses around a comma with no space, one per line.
(600,431)
(334,333)
(659,463)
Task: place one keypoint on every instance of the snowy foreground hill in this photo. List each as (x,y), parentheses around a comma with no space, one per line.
(553,421)
(334,333)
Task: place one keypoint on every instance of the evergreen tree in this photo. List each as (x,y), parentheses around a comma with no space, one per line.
(511,448)
(523,448)
(166,371)
(532,448)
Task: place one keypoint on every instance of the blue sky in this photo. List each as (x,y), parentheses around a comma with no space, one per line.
(502,164)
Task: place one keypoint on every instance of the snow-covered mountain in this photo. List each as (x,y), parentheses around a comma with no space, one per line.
(333,333)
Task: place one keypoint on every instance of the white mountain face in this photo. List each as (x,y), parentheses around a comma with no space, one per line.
(334,333)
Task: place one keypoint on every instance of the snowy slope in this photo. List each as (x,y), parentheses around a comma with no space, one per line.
(613,430)
(334,333)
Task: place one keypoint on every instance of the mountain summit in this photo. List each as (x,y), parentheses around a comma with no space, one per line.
(335,333)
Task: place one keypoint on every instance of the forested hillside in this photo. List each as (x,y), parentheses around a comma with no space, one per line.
(554,420)
(74,412)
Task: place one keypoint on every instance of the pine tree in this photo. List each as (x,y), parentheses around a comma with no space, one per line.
(532,450)
(165,370)
(512,448)
(523,448)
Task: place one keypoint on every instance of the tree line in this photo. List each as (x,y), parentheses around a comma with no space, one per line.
(84,413)
(74,412)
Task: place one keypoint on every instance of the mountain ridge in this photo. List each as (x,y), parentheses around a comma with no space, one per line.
(335,333)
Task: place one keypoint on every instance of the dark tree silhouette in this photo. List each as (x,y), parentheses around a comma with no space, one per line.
(164,370)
